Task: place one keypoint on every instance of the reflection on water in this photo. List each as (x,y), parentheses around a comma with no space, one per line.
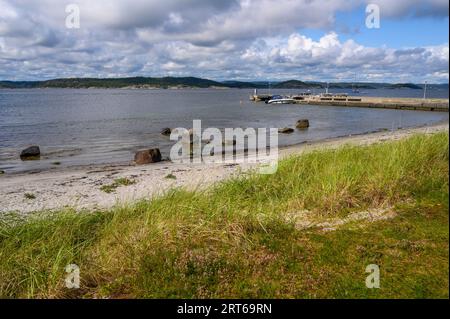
(82,127)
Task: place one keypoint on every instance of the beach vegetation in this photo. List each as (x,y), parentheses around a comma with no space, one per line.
(29,196)
(123,181)
(286,235)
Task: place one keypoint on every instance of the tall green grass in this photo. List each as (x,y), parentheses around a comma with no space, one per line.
(235,240)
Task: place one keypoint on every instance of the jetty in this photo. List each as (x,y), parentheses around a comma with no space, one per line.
(420,104)
(439,105)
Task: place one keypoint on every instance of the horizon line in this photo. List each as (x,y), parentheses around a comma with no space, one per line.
(222,81)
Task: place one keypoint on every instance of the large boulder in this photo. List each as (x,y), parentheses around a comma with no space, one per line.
(166,131)
(286,130)
(302,124)
(30,153)
(148,156)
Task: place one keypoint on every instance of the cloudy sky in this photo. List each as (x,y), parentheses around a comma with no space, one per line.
(226,39)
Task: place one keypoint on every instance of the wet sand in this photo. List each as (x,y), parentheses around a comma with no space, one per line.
(79,188)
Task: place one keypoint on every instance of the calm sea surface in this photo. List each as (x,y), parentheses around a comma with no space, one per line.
(96,126)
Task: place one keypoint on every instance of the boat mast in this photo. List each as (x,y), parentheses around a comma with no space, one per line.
(425,90)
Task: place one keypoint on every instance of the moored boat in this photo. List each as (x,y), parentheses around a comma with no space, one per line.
(278,99)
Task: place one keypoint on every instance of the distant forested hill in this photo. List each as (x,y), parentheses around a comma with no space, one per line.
(115,83)
(405,86)
(295,84)
(193,82)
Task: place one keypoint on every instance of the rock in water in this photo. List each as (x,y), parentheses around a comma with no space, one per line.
(2,172)
(302,124)
(286,130)
(31,153)
(166,131)
(148,156)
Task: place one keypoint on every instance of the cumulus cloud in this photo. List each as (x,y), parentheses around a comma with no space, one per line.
(330,58)
(242,39)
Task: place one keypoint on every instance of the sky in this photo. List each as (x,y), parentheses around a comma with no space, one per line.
(310,40)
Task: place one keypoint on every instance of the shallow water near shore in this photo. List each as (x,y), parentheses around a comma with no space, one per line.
(98,126)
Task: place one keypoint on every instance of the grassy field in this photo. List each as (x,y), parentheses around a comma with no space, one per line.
(244,238)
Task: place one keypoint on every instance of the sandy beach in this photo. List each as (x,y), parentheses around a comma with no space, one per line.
(80,188)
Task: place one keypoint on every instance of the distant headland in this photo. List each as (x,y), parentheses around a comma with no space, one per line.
(194,82)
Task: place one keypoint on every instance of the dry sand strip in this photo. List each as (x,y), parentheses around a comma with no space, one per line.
(79,188)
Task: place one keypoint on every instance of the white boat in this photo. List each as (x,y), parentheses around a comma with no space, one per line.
(281,100)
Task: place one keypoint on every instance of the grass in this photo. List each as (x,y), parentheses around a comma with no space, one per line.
(123,181)
(235,240)
(170,176)
(29,196)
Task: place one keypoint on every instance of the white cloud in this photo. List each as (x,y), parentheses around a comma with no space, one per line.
(330,58)
(244,39)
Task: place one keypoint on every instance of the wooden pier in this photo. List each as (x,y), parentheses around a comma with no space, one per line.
(437,105)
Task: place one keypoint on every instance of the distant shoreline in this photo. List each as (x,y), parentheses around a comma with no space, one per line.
(194,82)
(210,87)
